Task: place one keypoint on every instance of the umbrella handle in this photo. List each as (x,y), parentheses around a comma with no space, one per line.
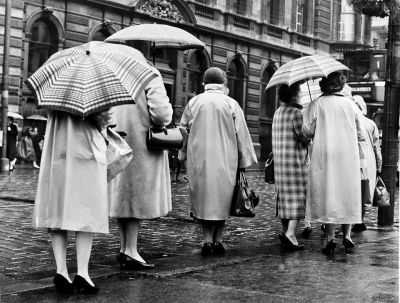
(309,92)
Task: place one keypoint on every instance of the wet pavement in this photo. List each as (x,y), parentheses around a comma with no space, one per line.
(254,268)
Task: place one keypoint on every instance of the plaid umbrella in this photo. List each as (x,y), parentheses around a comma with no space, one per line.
(162,36)
(308,67)
(90,78)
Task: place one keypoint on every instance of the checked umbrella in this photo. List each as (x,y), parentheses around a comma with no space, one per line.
(90,78)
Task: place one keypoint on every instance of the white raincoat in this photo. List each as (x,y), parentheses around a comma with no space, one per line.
(218,142)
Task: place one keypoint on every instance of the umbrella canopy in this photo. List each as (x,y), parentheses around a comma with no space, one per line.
(14,115)
(36,117)
(90,78)
(305,68)
(162,36)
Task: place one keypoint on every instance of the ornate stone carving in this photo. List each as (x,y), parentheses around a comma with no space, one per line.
(162,9)
(47,10)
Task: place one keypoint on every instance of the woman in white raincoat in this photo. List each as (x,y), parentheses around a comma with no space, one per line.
(218,142)
(72,192)
(373,154)
(338,154)
(143,189)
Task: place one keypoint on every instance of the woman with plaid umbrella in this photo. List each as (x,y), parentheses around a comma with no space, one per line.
(291,172)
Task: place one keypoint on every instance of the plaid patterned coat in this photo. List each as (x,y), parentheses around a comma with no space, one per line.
(291,171)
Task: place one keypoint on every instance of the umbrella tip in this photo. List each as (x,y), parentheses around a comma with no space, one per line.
(87,52)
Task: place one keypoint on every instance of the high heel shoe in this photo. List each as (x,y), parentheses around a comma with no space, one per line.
(329,249)
(132,264)
(83,286)
(348,245)
(289,245)
(63,286)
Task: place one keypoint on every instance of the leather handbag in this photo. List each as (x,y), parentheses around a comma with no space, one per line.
(365,192)
(242,200)
(161,138)
(269,169)
(381,194)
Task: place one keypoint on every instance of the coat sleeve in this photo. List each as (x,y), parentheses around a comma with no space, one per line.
(361,137)
(247,155)
(298,128)
(310,120)
(158,102)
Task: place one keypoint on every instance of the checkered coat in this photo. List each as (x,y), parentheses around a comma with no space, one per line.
(291,170)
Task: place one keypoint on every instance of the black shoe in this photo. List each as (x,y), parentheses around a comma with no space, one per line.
(83,286)
(63,286)
(289,245)
(323,228)
(133,264)
(359,227)
(218,249)
(329,249)
(206,250)
(348,245)
(306,232)
(282,238)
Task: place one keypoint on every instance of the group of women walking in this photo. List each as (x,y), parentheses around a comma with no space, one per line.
(320,157)
(73,194)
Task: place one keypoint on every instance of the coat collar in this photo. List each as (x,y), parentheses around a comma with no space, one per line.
(217,88)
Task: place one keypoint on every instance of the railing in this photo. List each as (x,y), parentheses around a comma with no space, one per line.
(303,40)
(240,22)
(273,31)
(341,47)
(204,11)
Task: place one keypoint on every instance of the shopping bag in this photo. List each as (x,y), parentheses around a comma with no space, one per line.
(381,195)
(242,200)
(119,154)
(269,169)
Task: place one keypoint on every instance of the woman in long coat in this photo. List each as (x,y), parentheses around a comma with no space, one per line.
(337,157)
(72,193)
(142,190)
(12,134)
(218,143)
(373,153)
(289,147)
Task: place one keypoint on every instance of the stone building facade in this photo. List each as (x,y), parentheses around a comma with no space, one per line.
(248,39)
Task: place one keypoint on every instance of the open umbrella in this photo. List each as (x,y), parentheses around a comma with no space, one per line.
(36,117)
(161,36)
(303,68)
(90,78)
(14,115)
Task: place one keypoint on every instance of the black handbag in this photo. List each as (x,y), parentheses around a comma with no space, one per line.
(160,138)
(381,194)
(269,169)
(242,200)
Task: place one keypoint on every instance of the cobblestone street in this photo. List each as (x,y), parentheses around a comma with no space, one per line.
(26,255)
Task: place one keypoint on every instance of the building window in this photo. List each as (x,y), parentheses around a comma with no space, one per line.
(274,12)
(346,24)
(196,67)
(238,6)
(236,77)
(43,43)
(268,97)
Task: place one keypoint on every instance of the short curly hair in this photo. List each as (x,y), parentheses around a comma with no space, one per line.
(333,83)
(286,93)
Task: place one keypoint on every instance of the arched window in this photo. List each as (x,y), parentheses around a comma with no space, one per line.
(42,44)
(196,67)
(268,97)
(236,76)
(101,34)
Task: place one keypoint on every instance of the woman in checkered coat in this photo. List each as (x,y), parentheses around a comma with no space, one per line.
(291,172)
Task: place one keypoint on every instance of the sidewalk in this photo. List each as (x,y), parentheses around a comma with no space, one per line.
(173,244)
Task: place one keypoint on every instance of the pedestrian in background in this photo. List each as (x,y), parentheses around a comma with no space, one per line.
(12,134)
(373,154)
(218,144)
(143,190)
(25,149)
(289,147)
(72,192)
(337,157)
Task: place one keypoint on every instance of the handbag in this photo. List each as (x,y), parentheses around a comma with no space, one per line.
(242,200)
(118,154)
(160,138)
(381,194)
(365,192)
(269,169)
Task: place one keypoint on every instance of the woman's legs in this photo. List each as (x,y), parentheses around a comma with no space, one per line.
(330,231)
(291,231)
(122,234)
(218,231)
(132,226)
(59,240)
(346,229)
(285,224)
(83,242)
(208,231)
